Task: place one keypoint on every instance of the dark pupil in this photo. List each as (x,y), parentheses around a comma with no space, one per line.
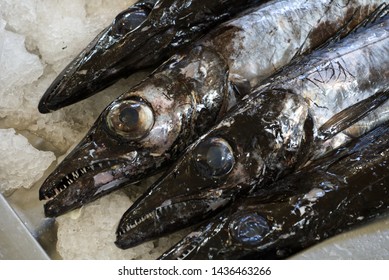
(129,116)
(214,157)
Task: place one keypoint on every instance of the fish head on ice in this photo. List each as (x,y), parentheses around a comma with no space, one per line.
(234,233)
(106,59)
(246,149)
(140,132)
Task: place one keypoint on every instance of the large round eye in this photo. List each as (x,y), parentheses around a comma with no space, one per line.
(248,228)
(132,119)
(214,157)
(130,19)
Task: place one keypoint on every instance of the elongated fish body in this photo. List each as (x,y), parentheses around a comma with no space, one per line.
(148,127)
(331,81)
(142,36)
(266,39)
(273,131)
(346,188)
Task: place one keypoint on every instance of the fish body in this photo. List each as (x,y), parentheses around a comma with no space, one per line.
(142,36)
(272,132)
(147,128)
(346,188)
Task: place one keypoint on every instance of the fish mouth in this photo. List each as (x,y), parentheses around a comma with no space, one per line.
(203,243)
(140,224)
(66,191)
(87,174)
(108,58)
(91,71)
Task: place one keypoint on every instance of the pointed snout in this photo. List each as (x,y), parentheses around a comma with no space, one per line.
(94,69)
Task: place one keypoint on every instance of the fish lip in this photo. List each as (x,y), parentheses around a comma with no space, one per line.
(138,225)
(78,79)
(198,243)
(66,191)
(105,60)
(90,181)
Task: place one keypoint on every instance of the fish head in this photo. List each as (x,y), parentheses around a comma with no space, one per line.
(106,59)
(133,136)
(235,157)
(233,234)
(139,133)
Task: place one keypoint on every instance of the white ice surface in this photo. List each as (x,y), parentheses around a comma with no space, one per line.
(37,39)
(95,225)
(20,164)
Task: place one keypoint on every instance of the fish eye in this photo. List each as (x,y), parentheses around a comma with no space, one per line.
(131,119)
(214,157)
(130,19)
(248,228)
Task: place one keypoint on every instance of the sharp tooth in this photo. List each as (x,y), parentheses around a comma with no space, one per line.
(101,165)
(92,167)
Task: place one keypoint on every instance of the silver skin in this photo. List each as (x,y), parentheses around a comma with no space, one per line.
(346,188)
(190,92)
(305,110)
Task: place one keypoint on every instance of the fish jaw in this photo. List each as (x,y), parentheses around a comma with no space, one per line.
(79,78)
(93,169)
(136,227)
(231,234)
(105,60)
(203,243)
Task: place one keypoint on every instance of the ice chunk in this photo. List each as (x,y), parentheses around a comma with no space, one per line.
(21,165)
(89,233)
(17,68)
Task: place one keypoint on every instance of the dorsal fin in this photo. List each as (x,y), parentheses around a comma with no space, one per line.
(351,115)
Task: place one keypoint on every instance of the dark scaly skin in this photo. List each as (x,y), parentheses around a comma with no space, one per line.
(271,133)
(188,94)
(117,52)
(346,188)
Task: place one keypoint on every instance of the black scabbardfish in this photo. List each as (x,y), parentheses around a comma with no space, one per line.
(141,36)
(348,187)
(148,127)
(308,108)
